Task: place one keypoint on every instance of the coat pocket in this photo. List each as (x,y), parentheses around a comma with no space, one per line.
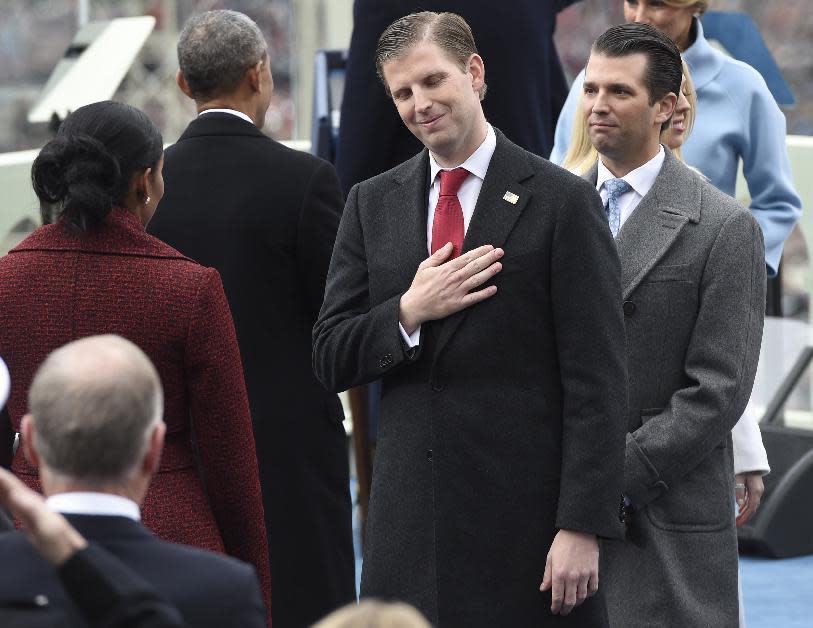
(700,501)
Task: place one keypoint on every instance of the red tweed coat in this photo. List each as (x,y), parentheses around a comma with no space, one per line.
(57,286)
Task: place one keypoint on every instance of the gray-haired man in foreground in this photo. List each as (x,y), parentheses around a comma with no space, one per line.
(95,433)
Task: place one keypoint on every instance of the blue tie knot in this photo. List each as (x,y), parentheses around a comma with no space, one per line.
(615,188)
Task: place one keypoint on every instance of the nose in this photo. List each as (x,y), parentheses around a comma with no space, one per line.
(599,103)
(422,101)
(642,16)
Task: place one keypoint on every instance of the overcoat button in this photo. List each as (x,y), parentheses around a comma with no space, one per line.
(629,308)
(429,455)
(437,386)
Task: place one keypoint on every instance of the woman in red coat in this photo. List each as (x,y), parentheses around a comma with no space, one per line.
(97,271)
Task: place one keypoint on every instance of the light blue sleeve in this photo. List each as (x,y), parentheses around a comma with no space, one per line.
(766,167)
(564,125)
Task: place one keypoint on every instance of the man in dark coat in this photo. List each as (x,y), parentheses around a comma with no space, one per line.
(95,434)
(500,448)
(524,73)
(693,265)
(266,217)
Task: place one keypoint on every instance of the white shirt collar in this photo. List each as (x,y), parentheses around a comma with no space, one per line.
(641,179)
(476,164)
(89,503)
(233,112)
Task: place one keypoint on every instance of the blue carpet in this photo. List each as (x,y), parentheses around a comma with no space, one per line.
(777,593)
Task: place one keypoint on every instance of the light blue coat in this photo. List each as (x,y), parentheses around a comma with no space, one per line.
(737,117)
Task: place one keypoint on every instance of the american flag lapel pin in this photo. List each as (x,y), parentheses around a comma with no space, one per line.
(511,198)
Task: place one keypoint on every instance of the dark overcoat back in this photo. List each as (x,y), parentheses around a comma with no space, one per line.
(506,423)
(265,216)
(525,80)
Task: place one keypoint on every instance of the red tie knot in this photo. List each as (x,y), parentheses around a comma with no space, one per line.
(451,180)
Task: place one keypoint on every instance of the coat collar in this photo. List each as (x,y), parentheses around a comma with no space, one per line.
(103,528)
(219,123)
(704,61)
(673,201)
(494,216)
(121,233)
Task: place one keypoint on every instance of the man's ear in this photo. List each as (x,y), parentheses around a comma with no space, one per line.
(183,85)
(665,108)
(27,437)
(155,445)
(253,76)
(477,69)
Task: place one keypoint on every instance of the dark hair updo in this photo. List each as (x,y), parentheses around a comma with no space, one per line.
(87,168)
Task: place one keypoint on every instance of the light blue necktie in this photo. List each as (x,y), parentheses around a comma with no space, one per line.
(615,188)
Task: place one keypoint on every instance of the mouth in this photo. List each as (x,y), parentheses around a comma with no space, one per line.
(430,122)
(601,125)
(679,126)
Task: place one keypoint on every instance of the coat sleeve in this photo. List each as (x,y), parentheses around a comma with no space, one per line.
(564,125)
(749,451)
(766,167)
(354,340)
(222,426)
(318,222)
(720,365)
(590,340)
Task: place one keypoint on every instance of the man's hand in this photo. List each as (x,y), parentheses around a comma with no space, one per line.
(49,531)
(571,570)
(749,489)
(441,288)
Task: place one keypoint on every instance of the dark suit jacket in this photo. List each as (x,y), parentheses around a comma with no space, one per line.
(109,594)
(266,217)
(58,285)
(694,288)
(206,588)
(507,422)
(526,85)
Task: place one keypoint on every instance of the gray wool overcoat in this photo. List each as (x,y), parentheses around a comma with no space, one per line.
(693,269)
(507,421)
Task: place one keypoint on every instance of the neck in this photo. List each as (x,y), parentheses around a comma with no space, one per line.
(467,149)
(133,489)
(687,39)
(621,165)
(230,102)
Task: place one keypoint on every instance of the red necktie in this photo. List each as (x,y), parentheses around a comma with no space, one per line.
(447,225)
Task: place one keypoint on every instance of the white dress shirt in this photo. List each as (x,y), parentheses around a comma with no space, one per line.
(641,180)
(89,503)
(469,192)
(233,112)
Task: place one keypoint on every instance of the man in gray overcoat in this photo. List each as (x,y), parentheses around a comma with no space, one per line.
(693,276)
(481,283)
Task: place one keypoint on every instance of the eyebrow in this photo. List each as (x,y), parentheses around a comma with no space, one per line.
(626,86)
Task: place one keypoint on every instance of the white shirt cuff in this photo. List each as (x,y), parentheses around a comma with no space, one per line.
(413,339)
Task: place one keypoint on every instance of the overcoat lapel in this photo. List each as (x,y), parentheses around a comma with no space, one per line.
(653,227)
(407,239)
(494,214)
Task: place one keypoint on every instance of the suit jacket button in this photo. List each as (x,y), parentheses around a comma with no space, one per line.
(629,308)
(437,386)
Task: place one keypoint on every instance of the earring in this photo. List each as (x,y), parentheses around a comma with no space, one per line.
(147,201)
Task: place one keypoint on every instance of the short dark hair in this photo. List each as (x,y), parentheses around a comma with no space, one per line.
(216,48)
(664,69)
(88,166)
(449,31)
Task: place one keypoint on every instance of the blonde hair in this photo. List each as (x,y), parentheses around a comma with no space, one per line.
(374,614)
(581,155)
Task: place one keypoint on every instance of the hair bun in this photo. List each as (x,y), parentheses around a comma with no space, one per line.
(80,175)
